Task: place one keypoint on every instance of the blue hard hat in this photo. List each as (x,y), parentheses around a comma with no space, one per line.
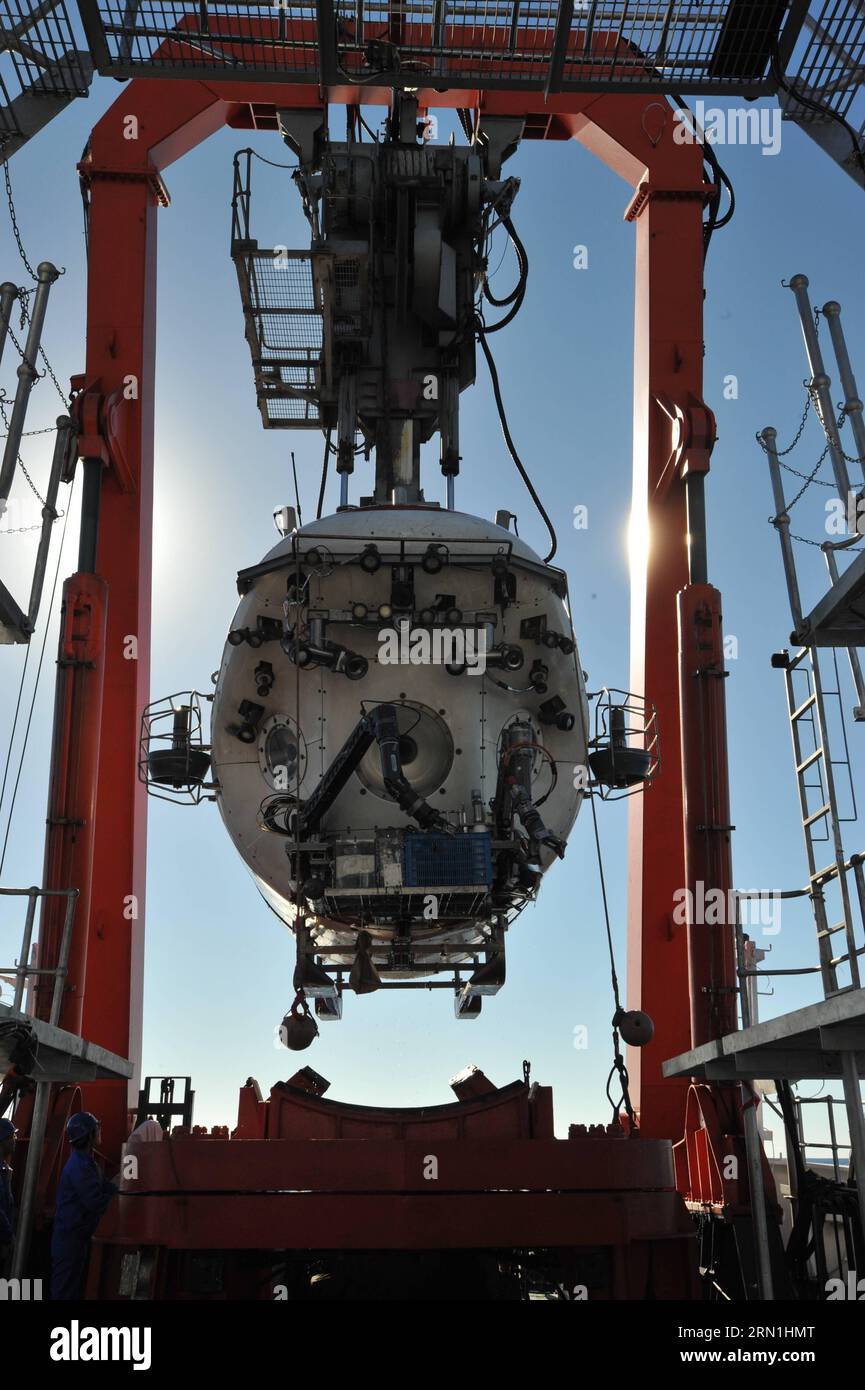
(7,1130)
(81,1126)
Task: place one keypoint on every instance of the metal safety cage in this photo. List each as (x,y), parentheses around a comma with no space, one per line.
(624,750)
(646,45)
(173,758)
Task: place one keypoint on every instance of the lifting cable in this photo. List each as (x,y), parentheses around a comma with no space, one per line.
(48,613)
(14,724)
(296,490)
(618,1060)
(23,297)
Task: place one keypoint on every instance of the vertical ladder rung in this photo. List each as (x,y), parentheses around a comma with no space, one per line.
(809,761)
(824,875)
(830,931)
(816,815)
(806,704)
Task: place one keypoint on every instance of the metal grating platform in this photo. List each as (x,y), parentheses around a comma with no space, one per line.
(802,1046)
(650,45)
(38,50)
(280,291)
(60,1056)
(839,619)
(829,72)
(831,64)
(285,332)
(49,49)
(44,64)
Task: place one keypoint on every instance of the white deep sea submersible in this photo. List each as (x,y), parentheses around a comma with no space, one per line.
(400,710)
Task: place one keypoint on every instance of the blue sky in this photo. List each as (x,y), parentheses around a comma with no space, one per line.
(218,965)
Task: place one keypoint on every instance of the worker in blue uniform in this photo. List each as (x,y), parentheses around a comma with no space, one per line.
(82,1196)
(7,1200)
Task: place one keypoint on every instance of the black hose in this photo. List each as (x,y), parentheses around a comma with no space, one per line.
(323,476)
(494,378)
(518,294)
(719,176)
(465,121)
(520,288)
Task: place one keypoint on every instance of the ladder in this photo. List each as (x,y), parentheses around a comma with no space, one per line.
(821,824)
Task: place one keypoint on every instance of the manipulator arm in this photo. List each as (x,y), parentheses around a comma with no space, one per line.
(378,726)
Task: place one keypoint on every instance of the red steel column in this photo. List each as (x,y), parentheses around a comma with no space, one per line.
(121,364)
(69,837)
(635,136)
(708,857)
(668,361)
(151,124)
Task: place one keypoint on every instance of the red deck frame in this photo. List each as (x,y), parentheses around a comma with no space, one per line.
(152,124)
(323,1176)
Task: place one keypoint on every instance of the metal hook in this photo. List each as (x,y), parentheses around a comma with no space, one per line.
(655,139)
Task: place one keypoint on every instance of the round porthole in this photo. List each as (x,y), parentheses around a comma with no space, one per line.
(281,753)
(426,751)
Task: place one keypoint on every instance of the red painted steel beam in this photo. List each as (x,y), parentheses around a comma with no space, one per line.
(73,782)
(120,333)
(708,855)
(119,386)
(146,129)
(255,43)
(636,139)
(391,1221)
(202,1165)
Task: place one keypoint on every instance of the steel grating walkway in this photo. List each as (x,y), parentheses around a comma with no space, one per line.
(651,45)
(50,48)
(714,45)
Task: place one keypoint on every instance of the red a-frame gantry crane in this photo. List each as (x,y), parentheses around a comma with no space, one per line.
(679,831)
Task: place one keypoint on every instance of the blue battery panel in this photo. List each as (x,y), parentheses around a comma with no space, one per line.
(452,861)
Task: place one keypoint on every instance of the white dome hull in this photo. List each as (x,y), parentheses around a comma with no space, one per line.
(450,726)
